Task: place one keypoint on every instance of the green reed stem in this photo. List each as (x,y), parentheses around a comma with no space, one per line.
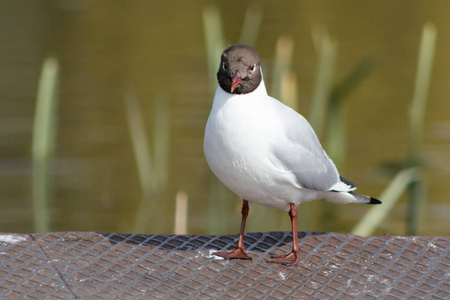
(152,169)
(336,146)
(214,43)
(282,65)
(43,142)
(335,136)
(390,196)
(422,82)
(181,213)
(319,106)
(252,24)
(322,87)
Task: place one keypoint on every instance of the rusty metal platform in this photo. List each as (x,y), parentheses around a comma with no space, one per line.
(95,265)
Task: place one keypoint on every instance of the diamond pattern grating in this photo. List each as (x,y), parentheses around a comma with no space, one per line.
(125,266)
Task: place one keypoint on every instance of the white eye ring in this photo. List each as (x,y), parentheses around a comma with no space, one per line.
(253,68)
(224,66)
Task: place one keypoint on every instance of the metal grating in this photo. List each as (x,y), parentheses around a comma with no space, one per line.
(125,266)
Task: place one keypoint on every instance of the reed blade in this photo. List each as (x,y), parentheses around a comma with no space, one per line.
(181,213)
(421,87)
(149,164)
(44,131)
(322,87)
(282,65)
(319,106)
(214,42)
(252,25)
(390,196)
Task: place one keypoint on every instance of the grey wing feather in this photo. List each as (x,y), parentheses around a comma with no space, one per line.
(304,156)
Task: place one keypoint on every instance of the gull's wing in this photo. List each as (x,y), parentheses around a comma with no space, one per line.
(301,153)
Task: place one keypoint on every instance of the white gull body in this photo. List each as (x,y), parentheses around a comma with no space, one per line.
(267,153)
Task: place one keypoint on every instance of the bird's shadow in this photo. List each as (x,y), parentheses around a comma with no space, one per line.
(255,241)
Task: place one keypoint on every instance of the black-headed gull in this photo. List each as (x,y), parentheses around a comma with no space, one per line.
(264,151)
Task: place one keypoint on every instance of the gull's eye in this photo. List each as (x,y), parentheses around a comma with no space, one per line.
(224,66)
(253,68)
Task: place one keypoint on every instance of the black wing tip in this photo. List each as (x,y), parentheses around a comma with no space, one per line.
(346,181)
(374,201)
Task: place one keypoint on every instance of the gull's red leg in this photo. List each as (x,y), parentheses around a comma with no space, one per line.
(239,252)
(292,258)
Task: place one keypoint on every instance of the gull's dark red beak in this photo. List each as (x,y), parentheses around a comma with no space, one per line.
(235,81)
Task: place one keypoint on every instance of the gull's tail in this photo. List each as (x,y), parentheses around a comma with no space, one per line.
(364,199)
(342,192)
(348,197)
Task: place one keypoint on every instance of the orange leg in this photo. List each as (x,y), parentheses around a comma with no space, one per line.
(292,258)
(239,252)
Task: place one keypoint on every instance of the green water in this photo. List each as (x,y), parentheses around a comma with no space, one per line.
(158,48)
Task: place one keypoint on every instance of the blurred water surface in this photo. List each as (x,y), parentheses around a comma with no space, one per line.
(158,49)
